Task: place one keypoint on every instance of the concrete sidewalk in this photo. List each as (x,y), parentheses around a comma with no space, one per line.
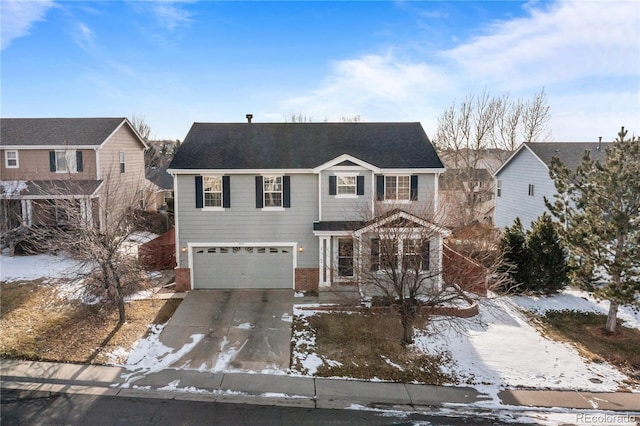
(285,390)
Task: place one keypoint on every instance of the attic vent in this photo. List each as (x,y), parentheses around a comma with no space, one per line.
(249,117)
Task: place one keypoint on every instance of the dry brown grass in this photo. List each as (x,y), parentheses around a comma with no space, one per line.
(36,323)
(586,332)
(367,346)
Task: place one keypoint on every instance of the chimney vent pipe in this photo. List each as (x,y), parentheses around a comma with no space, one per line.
(249,117)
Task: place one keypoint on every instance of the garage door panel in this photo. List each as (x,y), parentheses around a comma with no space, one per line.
(243,267)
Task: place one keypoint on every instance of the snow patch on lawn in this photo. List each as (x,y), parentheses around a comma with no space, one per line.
(576,300)
(46,266)
(505,350)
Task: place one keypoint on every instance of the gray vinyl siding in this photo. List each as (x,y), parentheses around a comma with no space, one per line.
(337,208)
(522,170)
(244,223)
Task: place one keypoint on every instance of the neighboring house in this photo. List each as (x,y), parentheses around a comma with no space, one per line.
(158,188)
(523,181)
(285,205)
(45,160)
(467,197)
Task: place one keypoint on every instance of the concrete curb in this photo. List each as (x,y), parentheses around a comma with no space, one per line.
(289,391)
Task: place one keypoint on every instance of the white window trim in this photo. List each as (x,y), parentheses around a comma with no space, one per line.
(212,208)
(70,161)
(6,159)
(354,175)
(264,193)
(396,200)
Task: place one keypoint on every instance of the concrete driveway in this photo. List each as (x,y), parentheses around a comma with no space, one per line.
(243,329)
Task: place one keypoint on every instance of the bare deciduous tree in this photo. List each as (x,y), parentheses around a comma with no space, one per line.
(95,232)
(399,259)
(474,137)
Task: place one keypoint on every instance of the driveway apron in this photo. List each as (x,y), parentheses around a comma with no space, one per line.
(244,329)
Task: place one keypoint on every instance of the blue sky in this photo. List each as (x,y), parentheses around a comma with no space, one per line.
(176,62)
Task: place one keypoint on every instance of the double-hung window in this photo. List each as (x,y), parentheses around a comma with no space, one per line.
(66,161)
(397,188)
(346,185)
(11,159)
(212,191)
(272,190)
(122,162)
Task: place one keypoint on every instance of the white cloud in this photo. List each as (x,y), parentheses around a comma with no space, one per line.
(170,15)
(84,36)
(18,17)
(570,48)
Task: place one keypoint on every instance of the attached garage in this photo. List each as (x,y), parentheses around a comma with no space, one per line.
(242,266)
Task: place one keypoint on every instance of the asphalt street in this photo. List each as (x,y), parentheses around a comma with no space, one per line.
(19,407)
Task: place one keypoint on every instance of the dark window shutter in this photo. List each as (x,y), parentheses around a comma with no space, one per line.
(226,192)
(286,191)
(425,255)
(52,161)
(414,188)
(379,187)
(79,161)
(199,201)
(375,254)
(332,185)
(360,185)
(259,197)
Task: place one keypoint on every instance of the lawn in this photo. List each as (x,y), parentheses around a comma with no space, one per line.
(367,346)
(586,331)
(38,321)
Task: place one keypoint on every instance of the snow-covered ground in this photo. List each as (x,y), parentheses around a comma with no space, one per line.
(37,266)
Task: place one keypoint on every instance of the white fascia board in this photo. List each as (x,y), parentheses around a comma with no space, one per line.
(49,147)
(135,132)
(333,233)
(404,215)
(517,152)
(411,171)
(238,171)
(346,157)
(239,244)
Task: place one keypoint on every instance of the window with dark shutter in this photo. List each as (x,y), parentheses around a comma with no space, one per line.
(79,161)
(286,191)
(379,187)
(414,188)
(226,192)
(199,198)
(259,199)
(52,161)
(332,185)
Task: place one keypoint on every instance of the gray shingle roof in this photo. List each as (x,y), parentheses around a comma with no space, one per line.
(303,145)
(570,153)
(57,131)
(160,177)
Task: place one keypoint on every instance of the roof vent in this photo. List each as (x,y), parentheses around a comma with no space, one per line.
(249,118)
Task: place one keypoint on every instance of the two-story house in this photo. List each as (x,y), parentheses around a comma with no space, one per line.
(45,160)
(523,181)
(284,205)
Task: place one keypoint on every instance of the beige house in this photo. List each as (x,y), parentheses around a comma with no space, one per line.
(46,160)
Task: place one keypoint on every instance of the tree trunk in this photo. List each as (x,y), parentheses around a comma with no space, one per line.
(612,316)
(408,312)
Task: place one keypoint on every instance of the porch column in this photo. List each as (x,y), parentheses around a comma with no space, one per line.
(27,212)
(325,261)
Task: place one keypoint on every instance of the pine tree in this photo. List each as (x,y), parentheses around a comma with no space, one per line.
(599,206)
(548,269)
(514,263)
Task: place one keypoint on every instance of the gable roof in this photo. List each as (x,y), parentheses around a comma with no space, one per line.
(570,153)
(303,145)
(60,131)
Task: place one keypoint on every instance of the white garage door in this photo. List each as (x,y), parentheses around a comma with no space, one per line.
(243,267)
